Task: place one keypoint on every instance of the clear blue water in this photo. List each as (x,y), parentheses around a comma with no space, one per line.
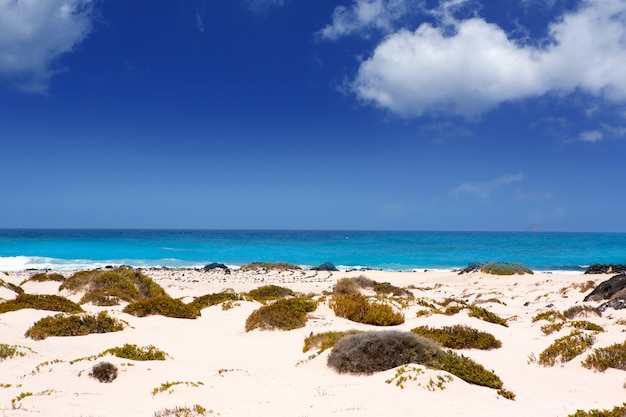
(72,249)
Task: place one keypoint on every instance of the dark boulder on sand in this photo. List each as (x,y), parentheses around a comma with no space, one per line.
(609,289)
(606,269)
(216,265)
(327,266)
(472,267)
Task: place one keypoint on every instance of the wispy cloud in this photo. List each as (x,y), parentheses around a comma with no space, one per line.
(468,66)
(485,189)
(34,34)
(262,6)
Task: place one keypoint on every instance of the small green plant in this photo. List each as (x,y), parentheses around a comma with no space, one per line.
(104,372)
(385,288)
(43,277)
(404,374)
(601,359)
(163,305)
(500,268)
(270,292)
(3,385)
(550,328)
(566,348)
(107,287)
(486,315)
(284,314)
(586,325)
(617,411)
(15,288)
(193,411)
(468,370)
(9,351)
(166,386)
(15,401)
(40,302)
(209,300)
(581,310)
(135,353)
(326,340)
(506,394)
(358,308)
(73,325)
(459,337)
(550,315)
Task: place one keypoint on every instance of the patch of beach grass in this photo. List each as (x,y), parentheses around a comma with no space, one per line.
(9,285)
(486,315)
(45,277)
(40,302)
(617,411)
(136,353)
(549,315)
(73,325)
(601,359)
(325,340)
(270,292)
(209,300)
(459,337)
(502,268)
(10,351)
(581,311)
(162,306)
(167,386)
(184,411)
(284,314)
(108,287)
(358,308)
(566,348)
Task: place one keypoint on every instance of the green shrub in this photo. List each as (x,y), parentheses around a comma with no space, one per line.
(452,310)
(209,300)
(162,306)
(501,268)
(459,337)
(601,359)
(486,315)
(194,411)
(9,351)
(43,277)
(285,314)
(586,325)
(40,302)
(270,292)
(326,340)
(107,287)
(15,288)
(73,325)
(104,372)
(279,266)
(566,348)
(551,328)
(617,411)
(135,353)
(385,288)
(346,286)
(358,308)
(366,353)
(581,310)
(550,315)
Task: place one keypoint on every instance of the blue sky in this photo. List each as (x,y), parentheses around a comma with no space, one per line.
(302,114)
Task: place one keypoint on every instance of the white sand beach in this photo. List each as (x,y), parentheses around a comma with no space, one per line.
(223,368)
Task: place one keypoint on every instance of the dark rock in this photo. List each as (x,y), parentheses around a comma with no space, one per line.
(611,288)
(216,265)
(527,303)
(617,303)
(327,266)
(606,269)
(472,267)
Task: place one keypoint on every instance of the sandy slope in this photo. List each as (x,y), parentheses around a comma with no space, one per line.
(261,373)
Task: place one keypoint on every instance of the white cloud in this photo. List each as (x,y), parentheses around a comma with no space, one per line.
(35,33)
(364,15)
(477,66)
(262,6)
(591,136)
(484,189)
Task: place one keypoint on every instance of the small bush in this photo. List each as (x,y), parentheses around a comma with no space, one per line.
(358,308)
(452,310)
(9,351)
(326,340)
(566,348)
(468,370)
(550,315)
(270,292)
(585,286)
(618,411)
(40,302)
(551,328)
(500,268)
(209,300)
(107,287)
(279,266)
(73,325)
(385,288)
(601,359)
(104,372)
(581,310)
(346,286)
(194,411)
(286,314)
(586,325)
(366,353)
(486,315)
(135,353)
(15,288)
(162,306)
(459,337)
(43,277)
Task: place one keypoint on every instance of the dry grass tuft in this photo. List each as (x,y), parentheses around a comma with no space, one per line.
(358,308)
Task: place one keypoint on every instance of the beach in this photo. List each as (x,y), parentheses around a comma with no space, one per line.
(213,362)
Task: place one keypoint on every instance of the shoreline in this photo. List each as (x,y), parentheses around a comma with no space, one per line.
(223,368)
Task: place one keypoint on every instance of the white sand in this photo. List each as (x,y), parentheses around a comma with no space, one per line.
(263,373)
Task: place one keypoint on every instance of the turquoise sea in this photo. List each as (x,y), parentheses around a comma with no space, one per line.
(388,250)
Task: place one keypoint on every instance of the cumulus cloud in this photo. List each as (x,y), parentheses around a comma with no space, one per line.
(364,15)
(485,189)
(35,33)
(467,67)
